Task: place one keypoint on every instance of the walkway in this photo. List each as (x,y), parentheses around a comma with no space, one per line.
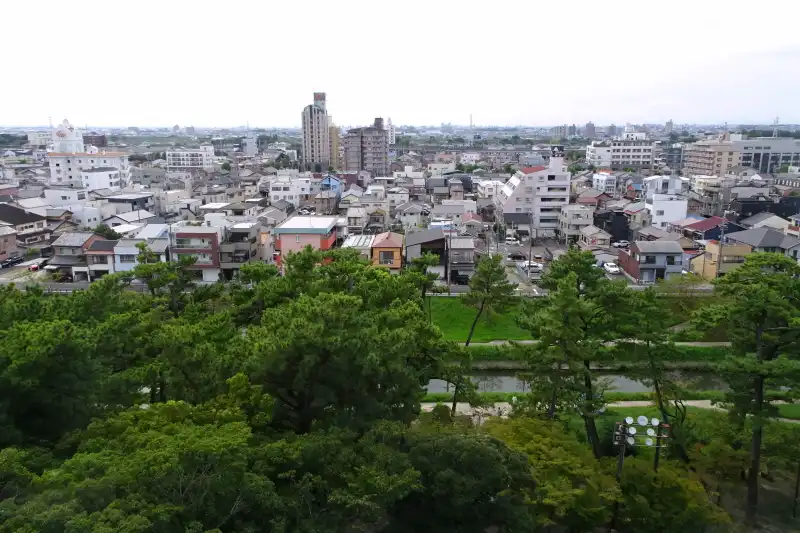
(534,341)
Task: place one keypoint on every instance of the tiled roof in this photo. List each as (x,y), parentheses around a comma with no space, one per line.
(388,240)
(73,238)
(706,224)
(531,170)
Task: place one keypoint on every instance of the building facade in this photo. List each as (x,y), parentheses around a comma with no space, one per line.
(605,182)
(768,154)
(316,134)
(190,159)
(713,157)
(367,149)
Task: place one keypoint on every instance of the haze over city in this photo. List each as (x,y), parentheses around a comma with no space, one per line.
(517,63)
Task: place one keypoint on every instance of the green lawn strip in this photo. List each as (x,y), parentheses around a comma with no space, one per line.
(610,397)
(454,320)
(789,410)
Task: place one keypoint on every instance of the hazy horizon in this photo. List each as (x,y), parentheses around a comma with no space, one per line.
(170,63)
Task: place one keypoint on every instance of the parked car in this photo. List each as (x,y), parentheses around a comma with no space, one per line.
(516,256)
(11,261)
(511,241)
(620,244)
(611,268)
(456,278)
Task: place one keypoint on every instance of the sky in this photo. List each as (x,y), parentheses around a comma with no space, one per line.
(224,64)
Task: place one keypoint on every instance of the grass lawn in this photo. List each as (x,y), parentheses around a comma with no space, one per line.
(455,319)
(789,410)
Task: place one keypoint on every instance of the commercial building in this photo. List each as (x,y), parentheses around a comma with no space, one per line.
(589,130)
(335,144)
(711,157)
(193,159)
(316,152)
(768,154)
(70,156)
(540,191)
(367,149)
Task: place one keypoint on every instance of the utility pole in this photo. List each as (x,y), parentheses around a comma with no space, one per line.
(719,251)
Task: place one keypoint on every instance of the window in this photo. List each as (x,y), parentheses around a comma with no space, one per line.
(64,198)
(386,258)
(127,258)
(649,260)
(659,212)
(297,238)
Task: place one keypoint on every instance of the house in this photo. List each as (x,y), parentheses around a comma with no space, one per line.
(766,239)
(360,243)
(709,228)
(240,245)
(767,219)
(126,251)
(593,237)
(325,202)
(428,241)
(100,258)
(707,265)
(518,224)
(387,251)
(461,252)
(70,254)
(297,232)
(31,229)
(650,261)
(8,242)
(357,220)
(572,219)
(140,215)
(592,197)
(411,215)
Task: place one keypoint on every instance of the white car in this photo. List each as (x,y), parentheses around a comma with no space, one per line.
(621,244)
(611,268)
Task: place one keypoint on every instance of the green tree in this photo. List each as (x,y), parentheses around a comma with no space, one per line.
(226,166)
(107,232)
(761,313)
(508,168)
(490,292)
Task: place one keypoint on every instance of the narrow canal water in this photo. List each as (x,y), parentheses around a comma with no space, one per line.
(506,381)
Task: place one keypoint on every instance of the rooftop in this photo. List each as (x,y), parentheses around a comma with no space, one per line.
(100,169)
(73,238)
(214,205)
(101,245)
(130,196)
(359,241)
(306,224)
(764,237)
(14,215)
(388,240)
(659,247)
(134,216)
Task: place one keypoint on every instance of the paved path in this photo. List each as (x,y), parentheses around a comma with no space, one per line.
(534,341)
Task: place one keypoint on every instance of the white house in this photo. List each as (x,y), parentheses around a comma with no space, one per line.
(412,216)
(469,158)
(101,178)
(397,196)
(131,217)
(664,199)
(293,189)
(605,182)
(488,188)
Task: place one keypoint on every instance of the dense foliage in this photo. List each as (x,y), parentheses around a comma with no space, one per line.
(291,403)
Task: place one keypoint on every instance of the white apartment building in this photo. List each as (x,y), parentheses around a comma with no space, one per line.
(469,158)
(390,129)
(488,188)
(605,182)
(599,154)
(543,191)
(101,178)
(664,199)
(293,189)
(190,159)
(438,169)
(572,219)
(397,196)
(69,157)
(40,138)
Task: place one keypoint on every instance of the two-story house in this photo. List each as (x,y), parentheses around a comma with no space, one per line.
(719,260)
(428,241)
(571,220)
(8,242)
(70,254)
(650,261)
(100,258)
(297,232)
(241,245)
(766,239)
(126,252)
(387,251)
(31,229)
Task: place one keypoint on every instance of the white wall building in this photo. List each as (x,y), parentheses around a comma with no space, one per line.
(488,188)
(437,169)
(101,178)
(666,208)
(605,182)
(293,189)
(41,138)
(250,145)
(390,130)
(191,159)
(69,157)
(543,191)
(469,158)
(599,154)
(397,196)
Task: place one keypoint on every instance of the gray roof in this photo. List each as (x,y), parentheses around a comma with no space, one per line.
(659,247)
(764,237)
(461,243)
(757,218)
(418,237)
(102,246)
(67,260)
(73,238)
(517,218)
(594,230)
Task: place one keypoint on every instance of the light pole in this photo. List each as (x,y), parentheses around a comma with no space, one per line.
(643,431)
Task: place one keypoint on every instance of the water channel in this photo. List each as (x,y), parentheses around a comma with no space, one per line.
(507,381)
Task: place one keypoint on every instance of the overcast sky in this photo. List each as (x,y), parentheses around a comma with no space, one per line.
(224,63)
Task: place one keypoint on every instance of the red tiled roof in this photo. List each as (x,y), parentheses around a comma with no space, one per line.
(588,200)
(388,240)
(531,170)
(706,224)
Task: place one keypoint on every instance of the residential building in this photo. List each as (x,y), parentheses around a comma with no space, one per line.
(650,261)
(335,146)
(191,159)
(598,154)
(361,243)
(70,254)
(200,243)
(428,241)
(605,182)
(294,189)
(126,252)
(540,191)
(664,199)
(768,154)
(668,155)
(461,254)
(8,242)
(592,197)
(765,219)
(387,251)
(712,157)
(39,138)
(708,266)
(101,178)
(66,167)
(240,245)
(632,151)
(572,219)
(297,232)
(488,188)
(31,229)
(706,229)
(367,149)
(412,215)
(391,132)
(593,238)
(316,151)
(95,139)
(99,259)
(439,169)
(397,196)
(589,130)
(766,239)
(130,217)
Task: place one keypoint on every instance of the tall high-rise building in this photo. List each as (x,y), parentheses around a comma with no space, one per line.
(589,131)
(668,127)
(611,130)
(391,131)
(367,149)
(316,134)
(572,130)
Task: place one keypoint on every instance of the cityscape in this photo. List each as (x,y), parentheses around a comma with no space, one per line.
(408,268)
